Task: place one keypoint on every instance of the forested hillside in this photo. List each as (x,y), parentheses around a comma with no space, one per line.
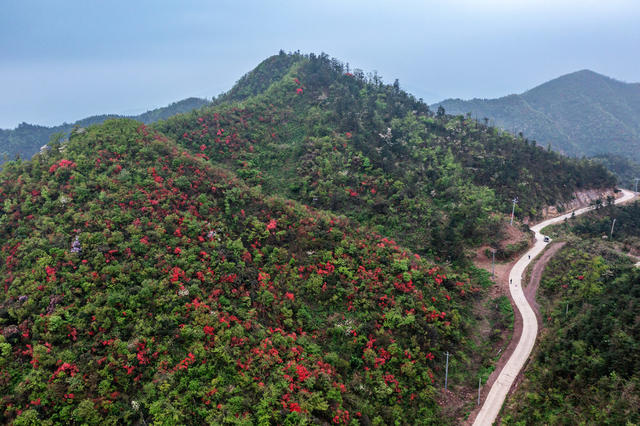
(143,284)
(342,141)
(27,139)
(582,113)
(625,169)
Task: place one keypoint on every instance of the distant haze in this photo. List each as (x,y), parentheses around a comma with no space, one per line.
(582,113)
(61,61)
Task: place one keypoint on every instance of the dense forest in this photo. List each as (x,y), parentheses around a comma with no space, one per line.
(339,140)
(582,113)
(294,253)
(27,139)
(626,170)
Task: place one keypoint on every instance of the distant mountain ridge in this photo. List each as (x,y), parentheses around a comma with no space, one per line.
(26,139)
(582,113)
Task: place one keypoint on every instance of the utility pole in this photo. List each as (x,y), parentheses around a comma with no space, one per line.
(493,263)
(513,209)
(612,225)
(479,382)
(636,179)
(446,373)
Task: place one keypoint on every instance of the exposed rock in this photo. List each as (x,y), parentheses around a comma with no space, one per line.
(580,199)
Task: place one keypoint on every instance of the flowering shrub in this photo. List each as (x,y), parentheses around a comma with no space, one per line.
(191,290)
(308,131)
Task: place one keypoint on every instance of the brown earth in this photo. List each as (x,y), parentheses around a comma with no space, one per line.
(513,235)
(580,199)
(536,275)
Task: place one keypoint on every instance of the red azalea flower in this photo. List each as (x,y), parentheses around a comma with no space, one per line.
(294,406)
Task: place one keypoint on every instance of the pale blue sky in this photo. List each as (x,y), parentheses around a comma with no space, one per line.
(65,60)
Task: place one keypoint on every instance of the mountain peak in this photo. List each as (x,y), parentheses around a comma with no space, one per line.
(581,77)
(580,113)
(586,72)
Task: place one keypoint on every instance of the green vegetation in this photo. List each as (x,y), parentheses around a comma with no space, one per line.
(582,113)
(510,251)
(586,365)
(27,139)
(506,311)
(340,141)
(623,167)
(598,224)
(586,368)
(239,264)
(142,283)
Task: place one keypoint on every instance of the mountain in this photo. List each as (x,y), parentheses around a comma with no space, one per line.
(579,114)
(294,253)
(27,139)
(341,141)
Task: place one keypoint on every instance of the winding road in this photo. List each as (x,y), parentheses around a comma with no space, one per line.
(500,389)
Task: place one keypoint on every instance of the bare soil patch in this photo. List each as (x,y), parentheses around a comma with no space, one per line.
(512,235)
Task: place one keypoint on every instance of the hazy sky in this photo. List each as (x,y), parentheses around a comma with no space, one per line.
(65,60)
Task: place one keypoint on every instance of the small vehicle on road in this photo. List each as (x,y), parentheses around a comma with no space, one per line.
(547,239)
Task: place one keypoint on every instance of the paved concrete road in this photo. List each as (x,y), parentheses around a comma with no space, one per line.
(503,383)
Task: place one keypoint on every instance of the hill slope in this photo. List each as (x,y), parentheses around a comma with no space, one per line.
(27,139)
(166,274)
(140,283)
(351,144)
(582,113)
